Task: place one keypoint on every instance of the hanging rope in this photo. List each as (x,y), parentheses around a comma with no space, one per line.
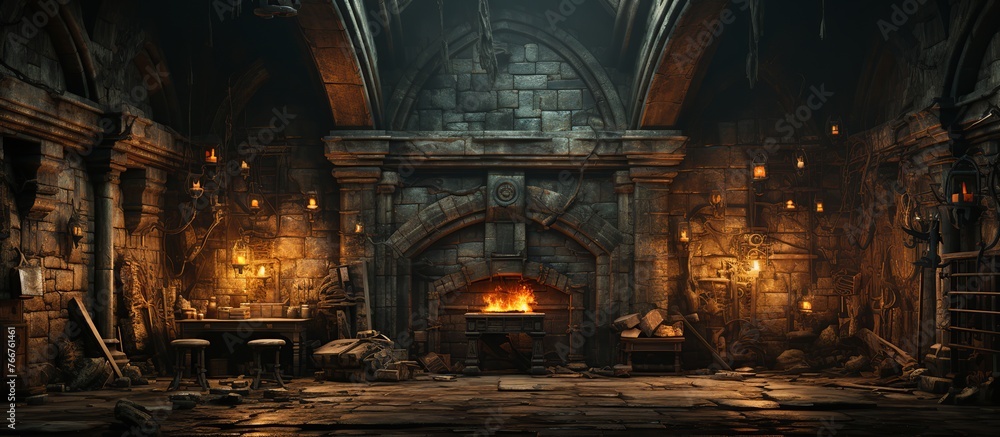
(487,56)
(753,58)
(445,52)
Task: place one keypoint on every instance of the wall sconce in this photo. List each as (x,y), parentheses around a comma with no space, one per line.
(790,205)
(254,202)
(800,162)
(684,232)
(75,228)
(312,205)
(759,167)
(244,169)
(804,304)
(834,127)
(241,256)
(196,190)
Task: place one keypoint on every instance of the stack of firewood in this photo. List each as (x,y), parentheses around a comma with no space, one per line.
(654,324)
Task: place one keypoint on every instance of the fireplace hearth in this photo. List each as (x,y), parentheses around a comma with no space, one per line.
(504,323)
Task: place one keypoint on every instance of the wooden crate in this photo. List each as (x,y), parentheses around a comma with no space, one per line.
(11,311)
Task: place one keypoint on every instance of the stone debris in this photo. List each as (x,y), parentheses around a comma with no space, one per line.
(370,357)
(626,322)
(136,416)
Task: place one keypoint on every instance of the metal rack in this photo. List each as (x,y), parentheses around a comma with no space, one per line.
(973,298)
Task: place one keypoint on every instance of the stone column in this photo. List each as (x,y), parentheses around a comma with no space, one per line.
(389,314)
(357,207)
(622,297)
(652,243)
(105,190)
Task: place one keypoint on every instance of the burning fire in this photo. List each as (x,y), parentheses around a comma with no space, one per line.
(516,300)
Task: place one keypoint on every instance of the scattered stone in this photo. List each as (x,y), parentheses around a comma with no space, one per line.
(122,382)
(242,383)
(55,388)
(183,405)
(626,322)
(728,376)
(230,399)
(789,359)
(827,339)
(622,370)
(219,391)
(631,333)
(857,364)
(934,385)
(136,416)
(186,396)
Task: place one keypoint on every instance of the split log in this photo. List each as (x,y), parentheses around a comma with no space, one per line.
(650,322)
(631,333)
(626,322)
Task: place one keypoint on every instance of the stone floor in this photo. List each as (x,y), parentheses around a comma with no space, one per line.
(524,405)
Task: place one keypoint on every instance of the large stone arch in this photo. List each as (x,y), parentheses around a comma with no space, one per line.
(678,48)
(548,208)
(591,72)
(481,271)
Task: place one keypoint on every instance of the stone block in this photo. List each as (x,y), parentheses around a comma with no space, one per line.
(530,82)
(528,124)
(570,100)
(481,82)
(521,68)
(500,120)
(475,116)
(463,82)
(531,52)
(504,82)
(547,100)
(440,81)
(547,54)
(430,120)
(64,280)
(517,53)
(547,68)
(436,99)
(526,105)
(463,126)
(554,121)
(477,101)
(507,99)
(573,84)
(566,71)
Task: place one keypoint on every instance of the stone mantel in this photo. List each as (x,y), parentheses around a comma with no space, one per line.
(507,149)
(77,124)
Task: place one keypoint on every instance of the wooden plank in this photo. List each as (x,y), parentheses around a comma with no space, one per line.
(97,336)
(368,305)
(715,355)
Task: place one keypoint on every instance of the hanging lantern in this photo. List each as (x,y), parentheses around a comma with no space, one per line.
(834,127)
(75,229)
(819,205)
(759,167)
(241,256)
(962,183)
(254,202)
(244,169)
(800,162)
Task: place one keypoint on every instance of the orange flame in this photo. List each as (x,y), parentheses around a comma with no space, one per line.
(503,300)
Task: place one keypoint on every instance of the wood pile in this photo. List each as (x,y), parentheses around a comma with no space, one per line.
(654,324)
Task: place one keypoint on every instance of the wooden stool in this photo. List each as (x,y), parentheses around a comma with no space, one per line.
(197,348)
(260,346)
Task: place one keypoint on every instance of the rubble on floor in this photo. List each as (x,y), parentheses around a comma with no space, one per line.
(370,357)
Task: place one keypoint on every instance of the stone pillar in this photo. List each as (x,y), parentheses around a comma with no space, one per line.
(357,199)
(622,295)
(105,190)
(652,243)
(389,314)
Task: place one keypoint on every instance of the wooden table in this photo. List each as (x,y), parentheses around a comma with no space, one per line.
(240,331)
(667,344)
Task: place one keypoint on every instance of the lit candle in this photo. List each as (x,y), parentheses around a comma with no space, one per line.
(805,306)
(312,203)
(756,265)
(800,163)
(759,171)
(819,206)
(359,228)
(244,166)
(834,129)
(196,185)
(684,236)
(789,204)
(210,156)
(241,260)
(261,271)
(254,203)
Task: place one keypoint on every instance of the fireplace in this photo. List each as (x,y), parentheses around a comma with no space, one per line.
(482,324)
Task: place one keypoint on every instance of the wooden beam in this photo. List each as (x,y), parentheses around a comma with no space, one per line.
(97,336)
